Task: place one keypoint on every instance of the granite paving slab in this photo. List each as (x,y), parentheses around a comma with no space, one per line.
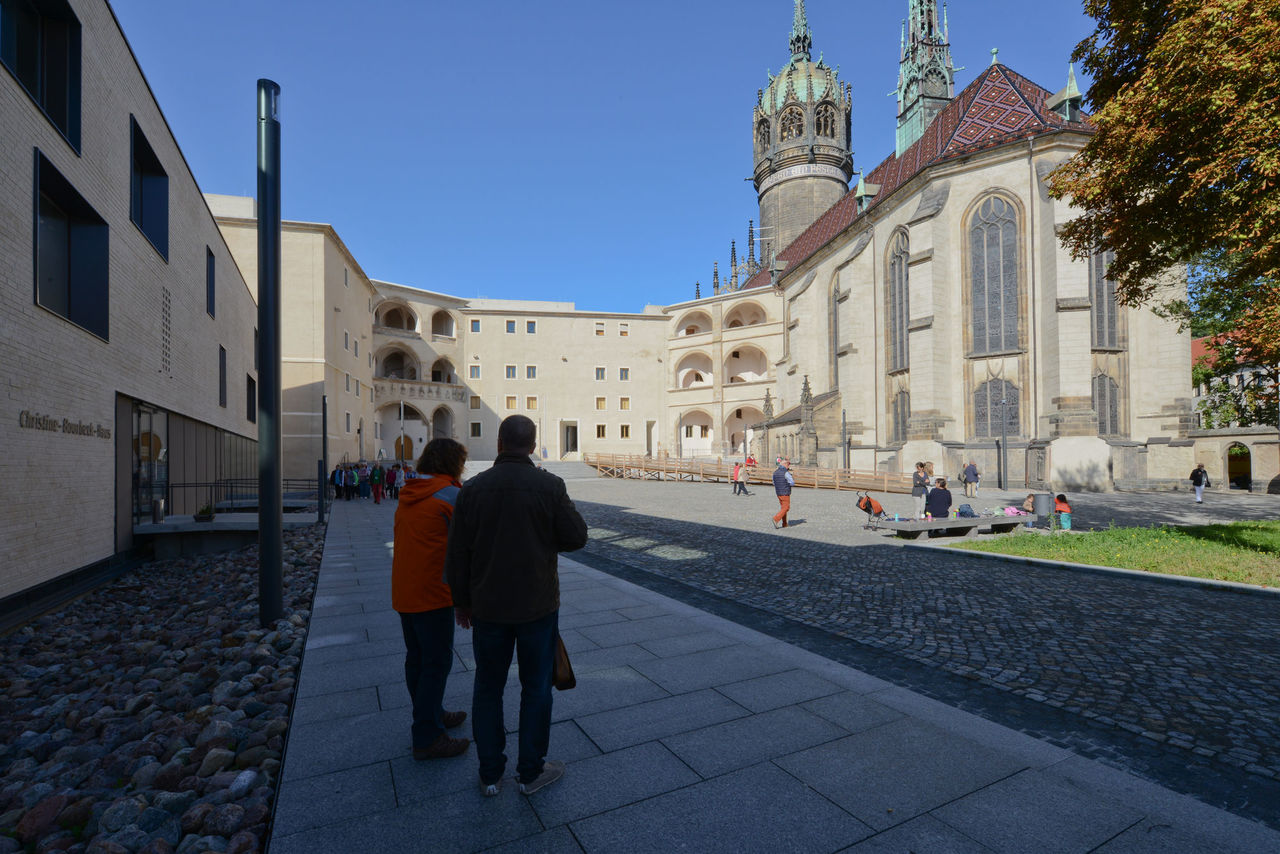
(746,741)
(612,780)
(756,809)
(898,770)
(631,725)
(1035,811)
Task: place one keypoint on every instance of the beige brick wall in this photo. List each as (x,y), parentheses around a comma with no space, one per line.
(54,368)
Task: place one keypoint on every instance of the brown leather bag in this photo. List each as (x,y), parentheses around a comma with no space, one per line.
(562,677)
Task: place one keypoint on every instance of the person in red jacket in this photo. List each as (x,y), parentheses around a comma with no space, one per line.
(423,599)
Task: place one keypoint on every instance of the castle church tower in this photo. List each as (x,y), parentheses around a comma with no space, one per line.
(926,77)
(801,142)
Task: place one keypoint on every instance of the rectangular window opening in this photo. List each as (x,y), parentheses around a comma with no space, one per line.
(149,192)
(251,399)
(222,377)
(601,431)
(40,45)
(71,256)
(475,429)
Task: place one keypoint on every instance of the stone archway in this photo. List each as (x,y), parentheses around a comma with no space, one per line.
(1239,466)
(442,423)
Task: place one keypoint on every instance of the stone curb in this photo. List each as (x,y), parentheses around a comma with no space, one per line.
(1160,578)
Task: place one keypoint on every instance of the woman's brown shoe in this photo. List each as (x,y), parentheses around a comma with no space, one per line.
(443,748)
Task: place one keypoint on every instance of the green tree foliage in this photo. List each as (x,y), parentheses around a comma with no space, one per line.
(1186,156)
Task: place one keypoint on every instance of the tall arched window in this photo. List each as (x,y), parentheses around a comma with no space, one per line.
(824,120)
(1106,402)
(899,357)
(792,124)
(899,412)
(993,251)
(762,133)
(988,411)
(1102,298)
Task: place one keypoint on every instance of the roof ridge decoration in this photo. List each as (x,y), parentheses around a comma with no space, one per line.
(801,42)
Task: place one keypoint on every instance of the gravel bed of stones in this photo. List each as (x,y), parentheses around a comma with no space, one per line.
(149,716)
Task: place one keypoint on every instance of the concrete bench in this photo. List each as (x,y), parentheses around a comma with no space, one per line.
(911,529)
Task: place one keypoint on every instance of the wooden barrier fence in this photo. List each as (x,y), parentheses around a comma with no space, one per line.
(636,467)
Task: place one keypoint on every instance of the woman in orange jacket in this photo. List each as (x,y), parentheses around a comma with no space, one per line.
(422,598)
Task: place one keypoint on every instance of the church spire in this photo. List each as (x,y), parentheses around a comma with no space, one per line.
(926,76)
(801,40)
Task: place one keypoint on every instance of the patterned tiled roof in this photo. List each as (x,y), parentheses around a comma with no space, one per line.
(998,107)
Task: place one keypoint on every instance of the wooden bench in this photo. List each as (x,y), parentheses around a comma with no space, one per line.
(911,529)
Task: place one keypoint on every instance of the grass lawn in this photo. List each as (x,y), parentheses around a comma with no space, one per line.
(1248,552)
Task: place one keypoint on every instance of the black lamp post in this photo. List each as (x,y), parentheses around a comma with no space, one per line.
(1004,445)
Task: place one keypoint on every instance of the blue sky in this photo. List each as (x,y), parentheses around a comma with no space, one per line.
(568,150)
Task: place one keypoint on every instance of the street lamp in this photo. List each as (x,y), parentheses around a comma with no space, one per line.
(1004,445)
(844,438)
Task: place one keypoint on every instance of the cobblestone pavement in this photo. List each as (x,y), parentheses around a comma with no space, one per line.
(1181,685)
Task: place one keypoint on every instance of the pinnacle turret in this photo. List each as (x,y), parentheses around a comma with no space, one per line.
(926,76)
(801,39)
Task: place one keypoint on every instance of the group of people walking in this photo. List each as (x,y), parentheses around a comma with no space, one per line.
(358,480)
(483,557)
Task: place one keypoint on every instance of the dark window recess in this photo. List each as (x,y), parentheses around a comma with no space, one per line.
(993,257)
(899,306)
(149,196)
(71,253)
(1102,302)
(210,282)
(40,45)
(251,399)
(1106,402)
(900,412)
(987,410)
(255,349)
(222,376)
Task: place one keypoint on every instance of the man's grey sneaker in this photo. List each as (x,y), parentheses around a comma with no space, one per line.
(489,790)
(552,770)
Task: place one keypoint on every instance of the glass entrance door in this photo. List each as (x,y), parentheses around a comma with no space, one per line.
(150,459)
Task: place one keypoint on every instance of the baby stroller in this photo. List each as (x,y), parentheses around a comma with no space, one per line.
(874,510)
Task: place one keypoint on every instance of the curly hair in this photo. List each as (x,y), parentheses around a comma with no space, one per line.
(443,456)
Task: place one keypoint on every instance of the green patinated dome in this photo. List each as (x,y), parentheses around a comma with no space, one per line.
(802,80)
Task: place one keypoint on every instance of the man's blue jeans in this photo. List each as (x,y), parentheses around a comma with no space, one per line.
(535,646)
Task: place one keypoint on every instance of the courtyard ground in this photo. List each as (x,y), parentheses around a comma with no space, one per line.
(745,688)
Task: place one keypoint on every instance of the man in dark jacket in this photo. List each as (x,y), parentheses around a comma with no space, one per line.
(508,524)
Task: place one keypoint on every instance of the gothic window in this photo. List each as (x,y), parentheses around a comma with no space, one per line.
(1103,308)
(899,412)
(1106,402)
(898,303)
(825,120)
(762,133)
(993,258)
(792,123)
(987,409)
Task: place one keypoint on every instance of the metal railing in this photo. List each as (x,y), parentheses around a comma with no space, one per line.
(233,495)
(638,467)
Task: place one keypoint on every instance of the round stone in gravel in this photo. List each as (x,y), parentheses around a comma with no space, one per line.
(215,760)
(225,820)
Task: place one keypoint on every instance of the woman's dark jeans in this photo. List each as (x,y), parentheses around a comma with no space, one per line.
(428,643)
(535,646)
